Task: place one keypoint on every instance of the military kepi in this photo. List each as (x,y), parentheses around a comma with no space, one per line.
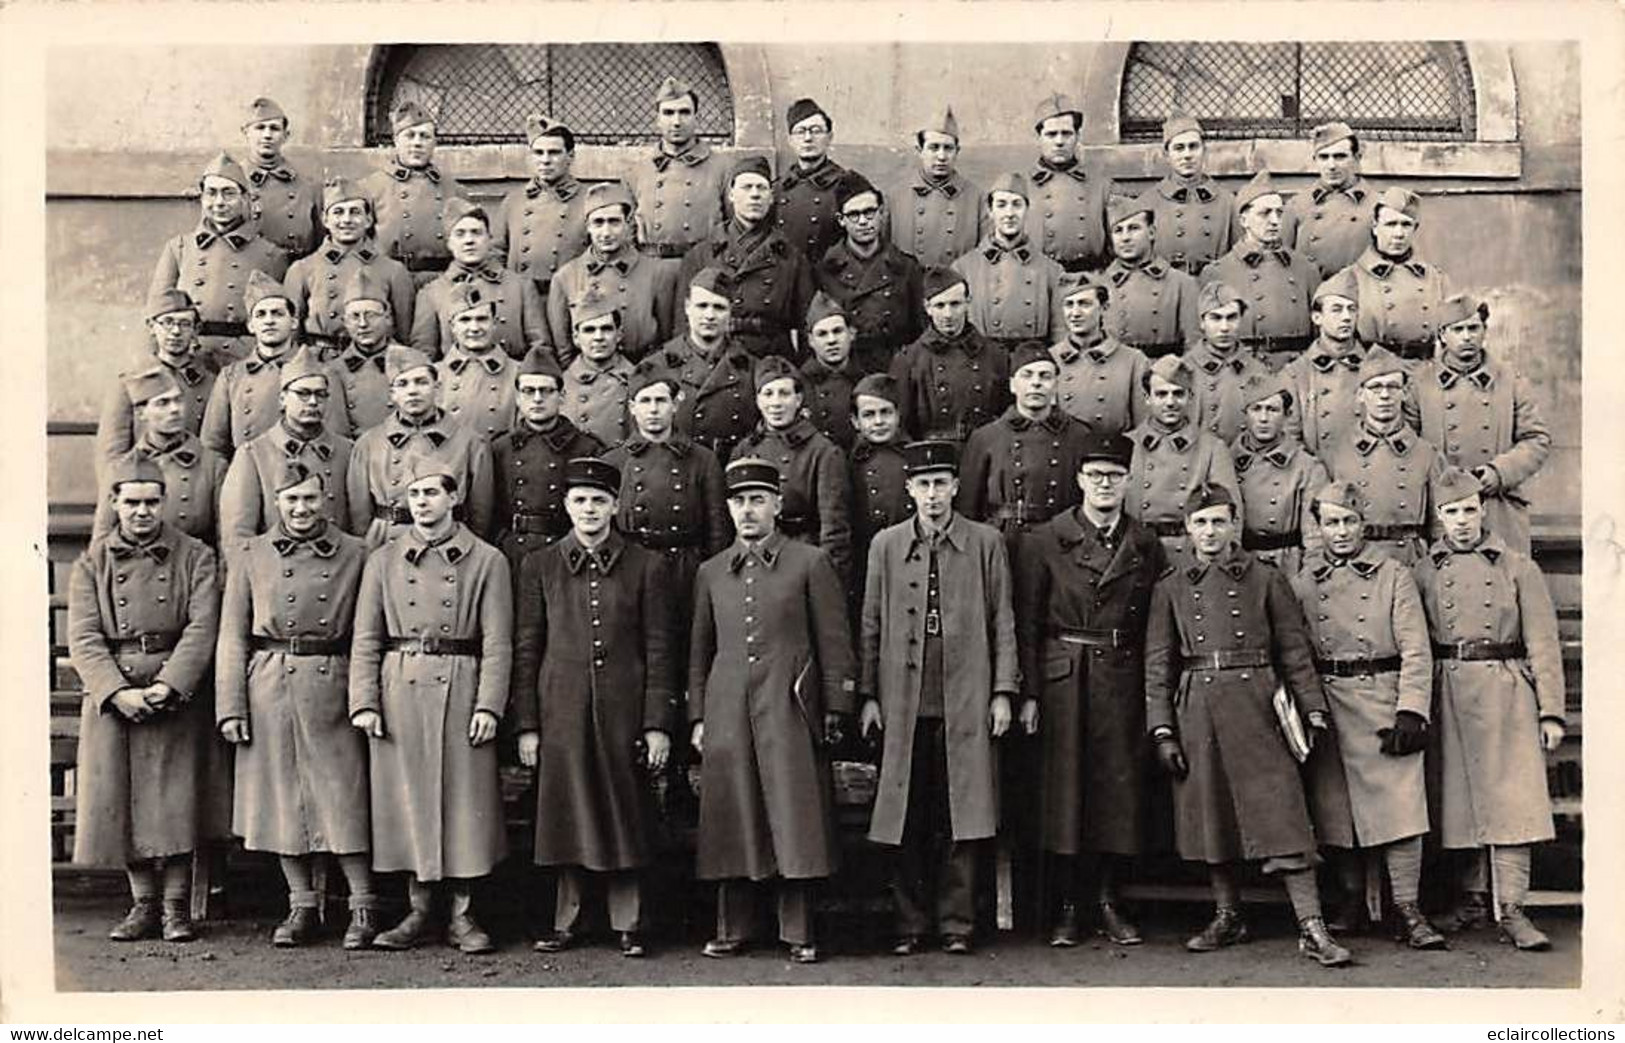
(1107,447)
(928,456)
(752,473)
(592,473)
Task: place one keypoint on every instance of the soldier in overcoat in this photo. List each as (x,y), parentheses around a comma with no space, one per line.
(596,382)
(880,496)
(193,476)
(1015,291)
(1367,794)
(937,677)
(679,189)
(1277,476)
(281,697)
(1219,365)
(953,379)
(369,333)
(541,224)
(1276,280)
(1481,414)
(429,682)
(409,195)
(880,288)
(1324,379)
(1172,456)
(807,191)
(1401,293)
(212,263)
(1100,379)
(318,283)
(519,314)
(1225,632)
(1328,224)
(1153,302)
(478,386)
(1498,708)
(936,215)
(1082,591)
(716,400)
(142,614)
(770,678)
(1067,220)
(286,205)
(1194,214)
(172,320)
(830,372)
(593,681)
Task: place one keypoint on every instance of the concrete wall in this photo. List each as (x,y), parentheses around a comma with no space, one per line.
(128,128)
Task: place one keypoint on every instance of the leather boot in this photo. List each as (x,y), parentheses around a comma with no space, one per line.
(1414,929)
(463,930)
(1315,942)
(414,928)
(1516,928)
(1471,913)
(1116,927)
(1226,928)
(297,929)
(139,923)
(362,930)
(1064,935)
(178,920)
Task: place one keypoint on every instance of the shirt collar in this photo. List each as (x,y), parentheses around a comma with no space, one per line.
(953,534)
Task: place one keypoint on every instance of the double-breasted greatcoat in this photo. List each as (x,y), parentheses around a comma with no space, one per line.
(807,209)
(410,207)
(1017,472)
(1015,291)
(117,428)
(1153,306)
(366,383)
(716,398)
(436,801)
(827,393)
(287,207)
(950,386)
(1066,216)
(478,389)
(1216,396)
(521,314)
(679,198)
(814,484)
(1195,222)
(1398,473)
(377,475)
(643,288)
(246,402)
(595,397)
(1276,284)
(1399,302)
(1166,466)
(883,296)
(1323,381)
(937,223)
(317,284)
(1330,227)
(248,497)
(1278,483)
(212,267)
(539,227)
(772,284)
(194,482)
(529,485)
(1101,384)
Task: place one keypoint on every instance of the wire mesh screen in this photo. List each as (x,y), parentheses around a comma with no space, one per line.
(1385,90)
(480,94)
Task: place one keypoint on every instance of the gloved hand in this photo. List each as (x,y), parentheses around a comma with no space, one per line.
(832,730)
(1408,735)
(1171,755)
(1320,726)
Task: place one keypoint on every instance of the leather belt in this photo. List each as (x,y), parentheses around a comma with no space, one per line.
(539,524)
(1411,351)
(327,342)
(653,540)
(666,250)
(1294,343)
(1156,351)
(1398,531)
(426,264)
(1235,659)
(1252,539)
(1357,667)
(221,328)
(159,641)
(391,513)
(1166,527)
(1096,638)
(300,645)
(434,645)
(1479,650)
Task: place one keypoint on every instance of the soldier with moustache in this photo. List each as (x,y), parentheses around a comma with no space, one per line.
(281,698)
(953,379)
(142,615)
(937,676)
(716,400)
(1509,443)
(1219,364)
(1324,379)
(1068,214)
(519,316)
(376,476)
(936,216)
(369,333)
(286,205)
(172,321)
(479,375)
(830,371)
(193,475)
(807,192)
(1194,214)
(1154,304)
(1329,223)
(1172,456)
(410,194)
(770,680)
(317,284)
(1278,477)
(1083,585)
(595,703)
(678,189)
(542,224)
(1099,377)
(880,287)
(1402,293)
(1276,280)
(1014,289)
(429,683)
(213,262)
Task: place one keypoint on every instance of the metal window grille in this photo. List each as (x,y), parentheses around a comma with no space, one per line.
(480,94)
(1395,91)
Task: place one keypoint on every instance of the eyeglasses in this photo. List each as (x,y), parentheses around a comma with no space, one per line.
(1104,477)
(1386,389)
(809,132)
(868,213)
(308,396)
(175,325)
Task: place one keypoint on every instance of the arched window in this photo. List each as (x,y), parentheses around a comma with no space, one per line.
(481,93)
(1395,91)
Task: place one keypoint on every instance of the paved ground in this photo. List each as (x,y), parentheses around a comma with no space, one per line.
(232,952)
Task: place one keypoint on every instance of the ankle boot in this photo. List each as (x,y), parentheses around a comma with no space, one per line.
(140,922)
(297,929)
(1116,927)
(1415,930)
(1315,942)
(1471,913)
(1516,928)
(464,931)
(178,920)
(1226,928)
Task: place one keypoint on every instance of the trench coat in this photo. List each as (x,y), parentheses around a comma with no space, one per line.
(773,284)
(1278,485)
(1016,473)
(1399,302)
(436,801)
(478,389)
(679,197)
(769,655)
(1488,773)
(1066,216)
(366,384)
(1366,608)
(248,497)
(1397,473)
(287,207)
(1243,798)
(410,206)
(1195,223)
(529,484)
(1489,417)
(117,427)
(539,227)
(521,315)
(592,673)
(317,285)
(884,298)
(643,288)
(246,402)
(716,398)
(1330,227)
(816,490)
(301,779)
(212,267)
(1015,291)
(194,479)
(376,479)
(140,784)
(979,662)
(1101,384)
(937,223)
(1216,398)
(1153,306)
(1091,699)
(950,386)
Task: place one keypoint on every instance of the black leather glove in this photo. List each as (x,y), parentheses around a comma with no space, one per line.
(1171,755)
(1408,735)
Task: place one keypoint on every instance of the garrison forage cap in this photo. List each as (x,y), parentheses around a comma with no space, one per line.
(1346,495)
(302,366)
(408,114)
(851,186)
(1216,295)
(879,385)
(1121,208)
(1401,199)
(823,306)
(1342,284)
(1027,353)
(943,123)
(133,467)
(465,296)
(400,360)
(458,208)
(539,362)
(1379,362)
(167,302)
(609,193)
(224,166)
(261,109)
(262,287)
(286,474)
(1260,185)
(147,385)
(341,190)
(673,89)
(1260,386)
(1056,105)
(1015,184)
(647,374)
(934,455)
(715,280)
(1174,370)
(775,367)
(941,280)
(751,473)
(1330,134)
(1455,484)
(424,464)
(1073,283)
(1107,447)
(1461,307)
(592,473)
(802,109)
(364,285)
(757,165)
(539,126)
(1208,494)
(594,304)
(1174,126)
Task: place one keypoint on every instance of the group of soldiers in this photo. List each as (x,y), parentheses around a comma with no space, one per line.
(708,463)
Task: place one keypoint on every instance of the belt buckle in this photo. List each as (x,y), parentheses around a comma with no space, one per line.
(416,646)
(297,646)
(933,623)
(1119,638)
(148,643)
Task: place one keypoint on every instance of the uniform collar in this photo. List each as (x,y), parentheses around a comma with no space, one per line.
(1366,442)
(583,372)
(949,186)
(235,237)
(405,173)
(680,445)
(258,175)
(1364,564)
(1480,377)
(1247,453)
(320,542)
(796,435)
(558,436)
(1044,171)
(1120,273)
(623,262)
(693,155)
(1382,267)
(1490,547)
(605,555)
(185,451)
(1151,437)
(366,250)
(995,251)
(965,340)
(1073,528)
(1234,563)
(159,548)
(1211,361)
(256,362)
(354,359)
(1175,191)
(189,372)
(453,548)
(294,446)
(1355,190)
(767,552)
(493,359)
(817,371)
(1055,423)
(1325,362)
(400,432)
(488,271)
(824,175)
(564,189)
(1253,255)
(864,449)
